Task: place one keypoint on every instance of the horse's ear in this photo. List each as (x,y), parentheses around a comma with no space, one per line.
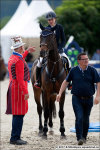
(53,28)
(42,27)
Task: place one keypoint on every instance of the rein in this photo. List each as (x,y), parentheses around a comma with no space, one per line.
(50,74)
(54,62)
(53,79)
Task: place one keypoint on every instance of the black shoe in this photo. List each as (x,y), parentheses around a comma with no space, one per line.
(18,142)
(80,142)
(37,84)
(84,140)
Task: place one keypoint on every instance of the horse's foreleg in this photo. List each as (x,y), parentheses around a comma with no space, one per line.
(50,114)
(39,110)
(46,115)
(61,116)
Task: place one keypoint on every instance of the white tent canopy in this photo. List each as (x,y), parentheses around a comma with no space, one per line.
(6,31)
(29,23)
(23,23)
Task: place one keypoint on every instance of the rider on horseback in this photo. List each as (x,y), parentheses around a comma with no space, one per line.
(60,38)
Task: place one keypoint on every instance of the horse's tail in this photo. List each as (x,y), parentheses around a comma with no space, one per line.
(54,111)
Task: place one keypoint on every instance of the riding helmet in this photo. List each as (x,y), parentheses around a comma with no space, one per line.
(50,15)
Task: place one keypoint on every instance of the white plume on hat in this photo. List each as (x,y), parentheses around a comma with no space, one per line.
(16,42)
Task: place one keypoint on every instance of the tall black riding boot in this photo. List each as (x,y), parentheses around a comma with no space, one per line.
(38,78)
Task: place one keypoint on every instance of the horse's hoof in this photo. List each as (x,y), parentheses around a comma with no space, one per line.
(51,132)
(63,136)
(44,136)
(40,133)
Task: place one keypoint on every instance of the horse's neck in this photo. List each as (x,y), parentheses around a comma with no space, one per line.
(53,55)
(54,61)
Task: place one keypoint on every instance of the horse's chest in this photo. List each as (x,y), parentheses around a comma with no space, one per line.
(51,87)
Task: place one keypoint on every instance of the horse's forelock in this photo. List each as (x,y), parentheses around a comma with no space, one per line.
(46,32)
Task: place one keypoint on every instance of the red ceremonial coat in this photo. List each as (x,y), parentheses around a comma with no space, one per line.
(18,78)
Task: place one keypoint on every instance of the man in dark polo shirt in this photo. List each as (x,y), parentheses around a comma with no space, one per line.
(83,78)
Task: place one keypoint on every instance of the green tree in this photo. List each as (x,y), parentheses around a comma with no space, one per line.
(4,21)
(43,20)
(81,18)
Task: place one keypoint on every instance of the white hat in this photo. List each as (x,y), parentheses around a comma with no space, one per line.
(16,42)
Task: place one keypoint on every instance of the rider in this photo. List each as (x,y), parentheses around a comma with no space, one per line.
(60,38)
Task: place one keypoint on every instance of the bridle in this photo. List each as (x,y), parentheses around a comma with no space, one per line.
(50,74)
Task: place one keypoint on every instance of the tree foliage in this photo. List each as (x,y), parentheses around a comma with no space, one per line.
(81,18)
(4,21)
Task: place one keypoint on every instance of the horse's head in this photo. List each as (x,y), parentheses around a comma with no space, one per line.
(47,38)
(3,69)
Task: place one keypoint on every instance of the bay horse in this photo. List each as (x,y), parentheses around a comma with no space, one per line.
(3,69)
(52,76)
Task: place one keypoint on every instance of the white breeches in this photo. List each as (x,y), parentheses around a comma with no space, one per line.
(39,64)
(64,55)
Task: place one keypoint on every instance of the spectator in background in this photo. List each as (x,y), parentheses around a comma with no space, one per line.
(96,55)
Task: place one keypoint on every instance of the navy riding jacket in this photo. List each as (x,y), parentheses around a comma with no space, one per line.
(60,37)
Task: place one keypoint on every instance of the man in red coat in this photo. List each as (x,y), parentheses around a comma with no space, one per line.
(17,94)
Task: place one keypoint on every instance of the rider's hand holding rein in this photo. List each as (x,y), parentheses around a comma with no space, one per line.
(63,87)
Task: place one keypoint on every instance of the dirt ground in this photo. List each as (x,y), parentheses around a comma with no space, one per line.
(30,127)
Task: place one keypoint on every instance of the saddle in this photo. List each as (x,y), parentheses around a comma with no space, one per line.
(44,65)
(64,61)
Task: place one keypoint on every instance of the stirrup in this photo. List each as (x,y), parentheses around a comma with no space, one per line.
(69,86)
(37,84)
